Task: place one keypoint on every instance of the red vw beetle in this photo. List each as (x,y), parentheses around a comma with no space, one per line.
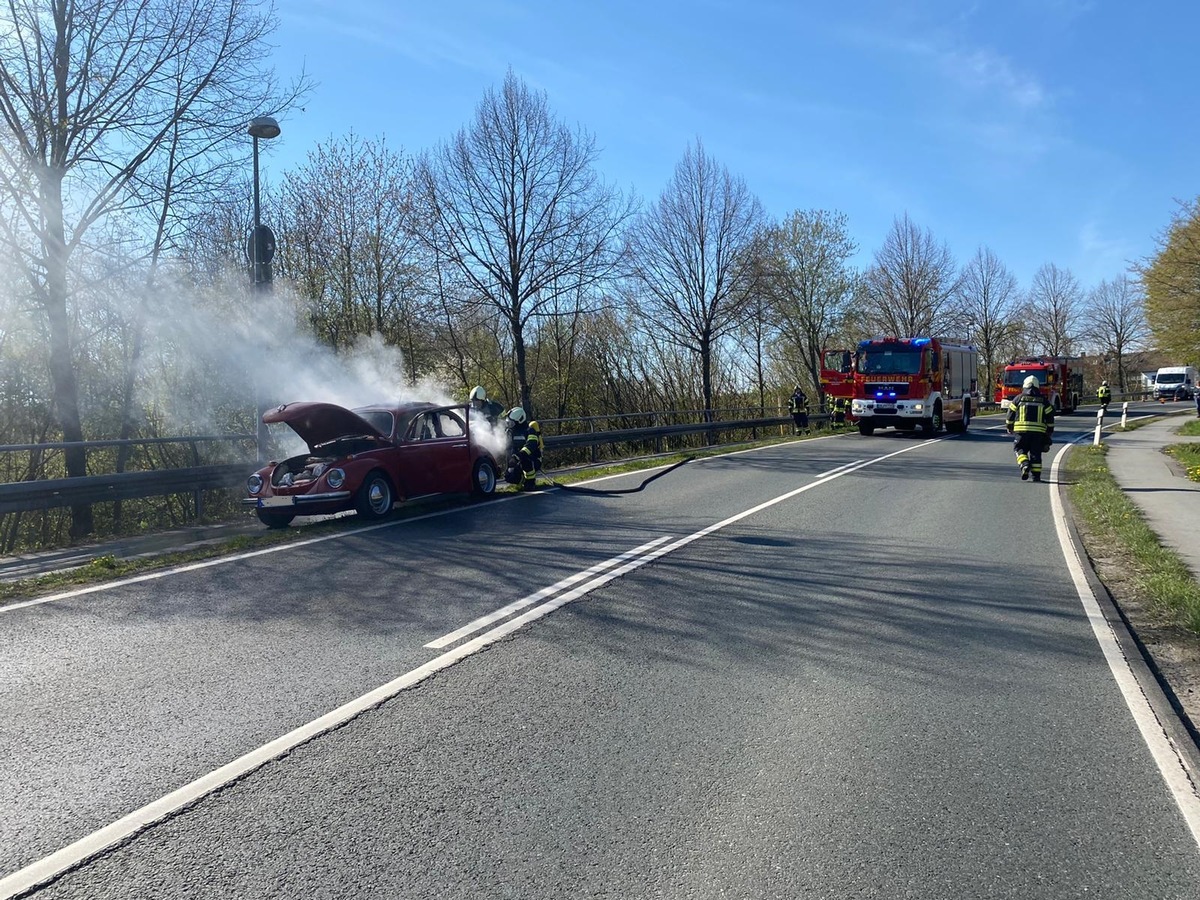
(368,458)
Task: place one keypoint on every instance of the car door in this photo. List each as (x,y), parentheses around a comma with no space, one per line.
(452,462)
(419,452)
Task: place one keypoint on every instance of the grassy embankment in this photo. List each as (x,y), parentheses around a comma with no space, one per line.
(1188,454)
(1115,531)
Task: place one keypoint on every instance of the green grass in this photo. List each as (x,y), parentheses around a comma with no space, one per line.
(1188,454)
(1115,528)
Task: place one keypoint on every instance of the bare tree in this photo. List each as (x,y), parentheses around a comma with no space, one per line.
(91,91)
(694,256)
(811,281)
(1052,311)
(912,284)
(347,241)
(1115,322)
(515,206)
(989,297)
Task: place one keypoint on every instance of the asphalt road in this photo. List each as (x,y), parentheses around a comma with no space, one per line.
(883,685)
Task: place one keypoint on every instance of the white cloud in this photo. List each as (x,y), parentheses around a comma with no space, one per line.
(985,69)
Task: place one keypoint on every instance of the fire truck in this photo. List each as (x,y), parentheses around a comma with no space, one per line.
(1061,384)
(916,381)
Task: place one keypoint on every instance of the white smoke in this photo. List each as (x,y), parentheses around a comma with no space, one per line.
(255,348)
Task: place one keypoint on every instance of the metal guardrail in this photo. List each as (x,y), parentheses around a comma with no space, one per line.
(58,492)
(61,492)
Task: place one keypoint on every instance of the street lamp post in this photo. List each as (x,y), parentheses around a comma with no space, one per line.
(260,249)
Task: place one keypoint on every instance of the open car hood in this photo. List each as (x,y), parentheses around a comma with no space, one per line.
(319,423)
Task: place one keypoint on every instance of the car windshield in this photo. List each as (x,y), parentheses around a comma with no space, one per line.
(878,361)
(1017,378)
(378,419)
(1170,378)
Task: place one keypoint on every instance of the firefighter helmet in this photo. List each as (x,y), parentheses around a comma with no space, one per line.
(516,415)
(478,393)
(535,426)
(1029,383)
(1105,383)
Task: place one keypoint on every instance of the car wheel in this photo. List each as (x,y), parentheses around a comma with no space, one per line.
(865,429)
(274,519)
(483,478)
(374,499)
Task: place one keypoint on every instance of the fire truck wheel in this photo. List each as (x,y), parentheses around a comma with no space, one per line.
(865,429)
(933,424)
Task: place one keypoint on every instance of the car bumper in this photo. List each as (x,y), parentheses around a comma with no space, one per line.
(284,501)
(901,412)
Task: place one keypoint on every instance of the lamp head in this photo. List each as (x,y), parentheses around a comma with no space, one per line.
(263,127)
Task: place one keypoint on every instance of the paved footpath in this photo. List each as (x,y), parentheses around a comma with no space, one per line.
(1158,484)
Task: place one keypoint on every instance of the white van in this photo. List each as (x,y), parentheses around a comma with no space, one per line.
(1176,383)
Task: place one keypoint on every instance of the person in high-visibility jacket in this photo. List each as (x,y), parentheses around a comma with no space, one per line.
(531,457)
(518,433)
(841,406)
(1031,419)
(1104,394)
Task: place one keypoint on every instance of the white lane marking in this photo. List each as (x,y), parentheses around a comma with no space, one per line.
(1171,763)
(505,611)
(839,468)
(139,820)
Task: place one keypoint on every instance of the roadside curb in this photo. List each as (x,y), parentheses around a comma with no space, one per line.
(1172,716)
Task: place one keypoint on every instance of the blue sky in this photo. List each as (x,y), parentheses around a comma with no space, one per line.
(1049,130)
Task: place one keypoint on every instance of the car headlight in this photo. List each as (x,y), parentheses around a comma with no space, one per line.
(335,478)
(918,406)
(254,483)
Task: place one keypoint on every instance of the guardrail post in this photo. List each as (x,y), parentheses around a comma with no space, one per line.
(658,441)
(1124,413)
(1099,426)
(595,447)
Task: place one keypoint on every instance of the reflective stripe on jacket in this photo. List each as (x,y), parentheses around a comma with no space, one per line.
(1030,414)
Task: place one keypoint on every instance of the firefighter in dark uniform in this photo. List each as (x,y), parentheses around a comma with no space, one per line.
(1104,394)
(841,406)
(1031,419)
(798,410)
(518,431)
(530,455)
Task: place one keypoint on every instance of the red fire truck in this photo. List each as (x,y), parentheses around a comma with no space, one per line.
(1061,384)
(906,382)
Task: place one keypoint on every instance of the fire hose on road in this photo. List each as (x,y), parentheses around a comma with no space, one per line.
(612,492)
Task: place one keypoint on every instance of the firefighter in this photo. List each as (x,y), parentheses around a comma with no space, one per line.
(1031,419)
(530,456)
(489,409)
(1104,394)
(798,410)
(518,431)
(841,406)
